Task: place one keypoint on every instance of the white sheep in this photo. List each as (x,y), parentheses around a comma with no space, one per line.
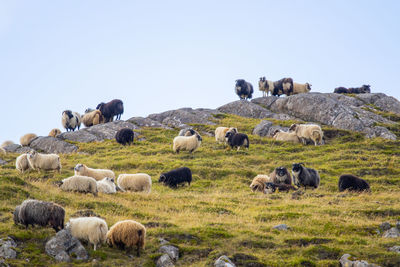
(98,174)
(55,132)
(38,161)
(26,139)
(71,120)
(280,135)
(299,88)
(308,132)
(134,182)
(6,143)
(220,133)
(106,186)
(258,183)
(21,163)
(81,184)
(189,143)
(266,86)
(90,229)
(92,118)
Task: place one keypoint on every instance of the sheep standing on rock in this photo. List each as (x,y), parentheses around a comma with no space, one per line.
(189,143)
(106,186)
(175,177)
(109,110)
(237,140)
(258,183)
(139,182)
(127,234)
(92,118)
(278,88)
(307,132)
(280,135)
(299,88)
(97,174)
(90,229)
(244,89)
(70,120)
(82,184)
(281,176)
(38,161)
(26,139)
(55,132)
(352,183)
(220,133)
(21,163)
(124,136)
(303,176)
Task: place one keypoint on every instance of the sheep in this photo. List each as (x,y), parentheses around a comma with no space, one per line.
(258,183)
(299,88)
(278,88)
(106,186)
(352,183)
(306,132)
(91,229)
(303,176)
(220,133)
(187,132)
(3,151)
(55,132)
(271,187)
(134,182)
(189,143)
(237,140)
(357,90)
(243,89)
(175,177)
(280,135)
(124,136)
(89,110)
(97,174)
(127,234)
(109,110)
(70,120)
(41,213)
(6,143)
(281,176)
(38,161)
(92,118)
(26,139)
(21,163)
(77,183)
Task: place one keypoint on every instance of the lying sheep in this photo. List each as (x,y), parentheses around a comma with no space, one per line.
(6,143)
(187,132)
(272,187)
(303,176)
(258,183)
(175,177)
(237,140)
(299,88)
(127,234)
(91,229)
(352,183)
(54,132)
(82,184)
(70,120)
(106,186)
(42,213)
(365,89)
(139,182)
(21,163)
(281,176)
(220,133)
(92,118)
(38,161)
(307,132)
(109,110)
(189,143)
(280,135)
(124,136)
(244,89)
(98,174)
(26,139)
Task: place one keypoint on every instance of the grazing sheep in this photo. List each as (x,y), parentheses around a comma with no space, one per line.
(91,229)
(175,177)
(271,187)
(98,174)
(244,89)
(357,90)
(187,132)
(307,132)
(137,182)
(281,176)
(278,88)
(92,118)
(258,183)
(2,151)
(21,163)
(127,234)
(107,186)
(38,161)
(54,132)
(41,213)
(303,176)
(352,183)
(299,88)
(6,143)
(70,120)
(83,184)
(280,135)
(109,110)
(26,139)
(189,143)
(124,136)
(237,140)
(220,133)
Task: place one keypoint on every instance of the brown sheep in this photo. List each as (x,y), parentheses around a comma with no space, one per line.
(258,183)
(127,234)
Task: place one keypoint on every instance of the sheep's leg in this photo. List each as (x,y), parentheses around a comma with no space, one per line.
(94,247)
(138,250)
(238,148)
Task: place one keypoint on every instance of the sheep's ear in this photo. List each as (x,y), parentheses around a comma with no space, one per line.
(301,163)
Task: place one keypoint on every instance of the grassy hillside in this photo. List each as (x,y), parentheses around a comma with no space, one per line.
(218,214)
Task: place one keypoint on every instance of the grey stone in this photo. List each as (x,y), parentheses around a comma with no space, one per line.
(147,122)
(3,162)
(63,256)
(6,248)
(63,241)
(345,262)
(262,129)
(384,226)
(281,227)
(223,261)
(165,261)
(49,144)
(395,249)
(392,233)
(398,225)
(3,263)
(179,118)
(15,148)
(265,102)
(246,109)
(172,251)
(163,241)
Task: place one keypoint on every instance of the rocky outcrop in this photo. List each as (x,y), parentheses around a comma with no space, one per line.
(266,128)
(346,262)
(179,118)
(224,261)
(50,144)
(15,148)
(7,248)
(63,246)
(147,122)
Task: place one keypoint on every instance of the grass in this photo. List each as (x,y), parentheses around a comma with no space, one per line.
(218,214)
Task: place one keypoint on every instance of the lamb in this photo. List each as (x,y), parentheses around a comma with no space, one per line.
(352,183)
(280,135)
(77,183)
(109,110)
(278,88)
(189,143)
(258,183)
(92,118)
(357,90)
(220,133)
(41,213)
(272,187)
(303,176)
(91,229)
(38,161)
(281,176)
(6,143)
(55,132)
(237,140)
(26,139)
(106,186)
(97,174)
(139,182)
(306,132)
(70,120)
(187,132)
(175,177)
(124,136)
(127,234)
(299,88)
(21,163)
(243,89)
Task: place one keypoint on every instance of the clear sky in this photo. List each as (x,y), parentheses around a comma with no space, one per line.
(161,55)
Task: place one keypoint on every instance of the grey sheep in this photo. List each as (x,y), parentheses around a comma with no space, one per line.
(303,176)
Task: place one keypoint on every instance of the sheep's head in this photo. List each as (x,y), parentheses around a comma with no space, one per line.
(162,178)
(276,131)
(228,135)
(109,180)
(88,110)
(78,167)
(99,106)
(68,113)
(269,188)
(293,127)
(281,171)
(233,130)
(32,154)
(308,86)
(190,132)
(199,137)
(366,88)
(297,167)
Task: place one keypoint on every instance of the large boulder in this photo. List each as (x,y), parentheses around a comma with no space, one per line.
(7,248)
(179,118)
(63,246)
(50,144)
(15,148)
(246,109)
(224,261)
(147,122)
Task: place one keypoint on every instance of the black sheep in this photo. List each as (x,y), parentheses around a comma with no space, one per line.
(271,187)
(176,176)
(237,140)
(125,136)
(281,176)
(352,183)
(303,176)
(356,90)
(244,89)
(109,110)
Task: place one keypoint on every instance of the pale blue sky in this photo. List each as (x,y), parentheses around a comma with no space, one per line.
(161,55)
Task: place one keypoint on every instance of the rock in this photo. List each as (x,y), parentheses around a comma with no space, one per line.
(345,262)
(3,162)
(50,144)
(3,263)
(63,256)
(392,233)
(265,102)
(265,128)
(384,226)
(163,241)
(6,248)
(395,249)
(281,227)
(64,243)
(179,118)
(15,148)
(398,225)
(165,261)
(388,104)
(223,261)
(172,251)
(147,122)
(246,109)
